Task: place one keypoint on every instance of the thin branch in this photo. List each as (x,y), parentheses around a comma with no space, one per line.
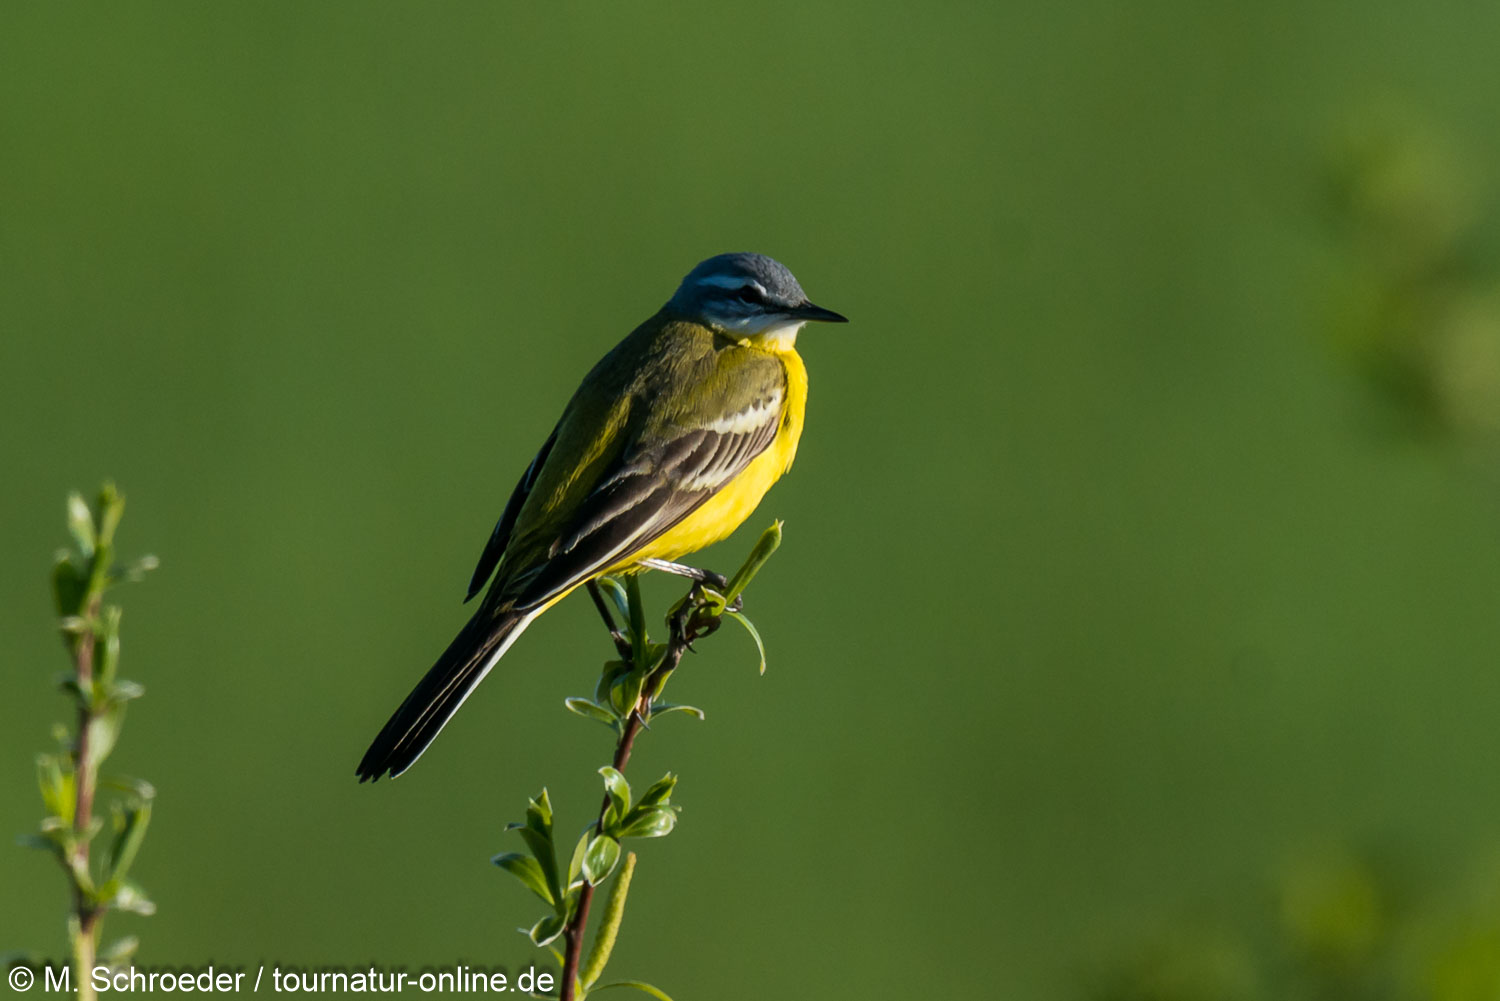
(574,933)
(697,615)
(622,645)
(86,913)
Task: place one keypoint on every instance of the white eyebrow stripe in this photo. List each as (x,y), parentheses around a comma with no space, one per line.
(731,282)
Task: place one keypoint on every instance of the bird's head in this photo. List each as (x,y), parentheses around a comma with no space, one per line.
(747,295)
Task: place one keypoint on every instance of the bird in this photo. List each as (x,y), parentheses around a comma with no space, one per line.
(668,444)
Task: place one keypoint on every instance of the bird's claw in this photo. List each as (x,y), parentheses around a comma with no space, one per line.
(688,625)
(678,625)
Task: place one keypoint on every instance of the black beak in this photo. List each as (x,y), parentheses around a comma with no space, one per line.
(817,314)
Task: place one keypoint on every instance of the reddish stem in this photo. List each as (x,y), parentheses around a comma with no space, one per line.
(83,806)
(573,934)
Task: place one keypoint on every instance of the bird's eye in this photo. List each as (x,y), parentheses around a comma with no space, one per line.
(749,293)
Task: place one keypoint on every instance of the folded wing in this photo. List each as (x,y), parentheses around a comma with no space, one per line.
(652,485)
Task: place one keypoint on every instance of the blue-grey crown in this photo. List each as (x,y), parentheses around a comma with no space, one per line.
(721,275)
(744,292)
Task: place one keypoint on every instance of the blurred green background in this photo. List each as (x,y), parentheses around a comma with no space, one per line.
(1143,534)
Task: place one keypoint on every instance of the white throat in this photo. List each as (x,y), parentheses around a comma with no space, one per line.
(781,337)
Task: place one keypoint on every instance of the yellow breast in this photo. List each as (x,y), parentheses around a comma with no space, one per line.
(722,513)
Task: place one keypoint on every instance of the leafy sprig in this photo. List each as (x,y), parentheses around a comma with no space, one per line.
(69,777)
(627,698)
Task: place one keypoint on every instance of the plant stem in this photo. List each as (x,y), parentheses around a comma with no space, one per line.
(86,914)
(573,934)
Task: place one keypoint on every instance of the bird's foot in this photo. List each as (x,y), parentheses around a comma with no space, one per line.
(692,620)
(717,581)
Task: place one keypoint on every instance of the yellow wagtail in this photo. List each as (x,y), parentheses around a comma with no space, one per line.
(667,446)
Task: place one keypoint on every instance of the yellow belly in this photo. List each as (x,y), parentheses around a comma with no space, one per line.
(722,513)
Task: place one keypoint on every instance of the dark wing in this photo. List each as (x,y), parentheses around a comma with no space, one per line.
(647,490)
(500,537)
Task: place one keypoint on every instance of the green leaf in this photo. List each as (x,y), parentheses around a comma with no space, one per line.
(768,543)
(54,838)
(547,929)
(546,858)
(111,510)
(750,628)
(69,584)
(639,985)
(68,685)
(124,691)
(83,878)
(613,671)
(713,602)
(600,859)
(526,869)
(569,910)
(59,794)
(616,592)
(589,709)
(129,897)
(107,651)
(119,952)
(539,814)
(619,796)
(104,730)
(130,827)
(637,620)
(575,864)
(655,822)
(537,833)
(662,708)
(130,786)
(627,692)
(137,571)
(81,524)
(75,625)
(659,792)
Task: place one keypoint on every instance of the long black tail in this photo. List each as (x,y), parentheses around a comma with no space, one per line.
(413,726)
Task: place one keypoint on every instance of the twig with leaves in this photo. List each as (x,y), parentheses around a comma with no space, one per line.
(627,699)
(69,778)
